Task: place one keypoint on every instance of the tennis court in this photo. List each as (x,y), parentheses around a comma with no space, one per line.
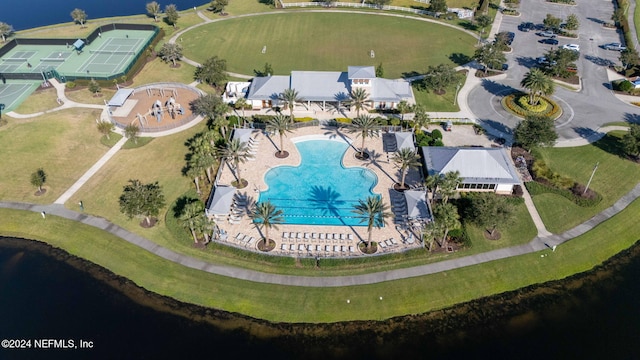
(15,92)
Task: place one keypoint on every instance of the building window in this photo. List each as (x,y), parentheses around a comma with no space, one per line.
(492,186)
(366,81)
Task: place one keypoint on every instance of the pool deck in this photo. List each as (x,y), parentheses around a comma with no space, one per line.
(254,170)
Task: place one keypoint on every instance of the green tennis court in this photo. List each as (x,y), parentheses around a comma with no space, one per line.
(14,92)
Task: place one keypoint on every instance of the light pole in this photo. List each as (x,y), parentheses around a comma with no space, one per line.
(591,178)
(455,98)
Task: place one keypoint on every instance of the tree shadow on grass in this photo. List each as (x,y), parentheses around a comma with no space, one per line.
(611,145)
(459,58)
(181,203)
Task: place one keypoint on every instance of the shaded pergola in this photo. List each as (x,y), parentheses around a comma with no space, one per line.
(220,200)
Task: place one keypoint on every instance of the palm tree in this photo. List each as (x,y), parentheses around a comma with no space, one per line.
(241,104)
(420,118)
(433,230)
(280,124)
(447,215)
(403,107)
(238,152)
(194,171)
(204,225)
(432,182)
(406,159)
(538,84)
(153,8)
(105,128)
(221,122)
(374,211)
(359,97)
(290,97)
(365,126)
(131,132)
(448,184)
(189,217)
(267,216)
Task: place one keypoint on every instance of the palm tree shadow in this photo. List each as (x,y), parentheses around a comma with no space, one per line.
(375,159)
(334,132)
(496,88)
(327,201)
(181,203)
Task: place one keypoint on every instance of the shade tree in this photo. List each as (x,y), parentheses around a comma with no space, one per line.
(142,200)
(153,9)
(538,84)
(79,16)
(212,72)
(105,128)
(364,126)
(280,124)
(171,52)
(171,14)
(38,178)
(5,30)
(405,159)
(489,211)
(535,130)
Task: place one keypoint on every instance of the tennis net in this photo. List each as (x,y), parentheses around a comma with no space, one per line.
(52,59)
(112,52)
(15,60)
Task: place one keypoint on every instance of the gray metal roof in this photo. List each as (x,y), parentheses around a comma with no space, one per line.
(267,87)
(361,72)
(242,134)
(220,200)
(404,140)
(120,97)
(416,204)
(390,90)
(476,165)
(320,85)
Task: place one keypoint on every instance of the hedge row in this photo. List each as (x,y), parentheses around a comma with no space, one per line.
(536,188)
(509,103)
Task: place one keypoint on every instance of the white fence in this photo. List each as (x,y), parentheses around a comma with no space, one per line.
(358,5)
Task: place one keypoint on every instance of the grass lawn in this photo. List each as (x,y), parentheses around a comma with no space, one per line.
(615,177)
(435,102)
(159,71)
(64,143)
(520,231)
(297,304)
(85,96)
(328,42)
(38,101)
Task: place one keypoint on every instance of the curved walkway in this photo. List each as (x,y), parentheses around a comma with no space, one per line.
(537,244)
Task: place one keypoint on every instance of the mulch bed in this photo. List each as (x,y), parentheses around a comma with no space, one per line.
(363,247)
(282,154)
(399,188)
(40,192)
(152,223)
(362,156)
(496,235)
(266,248)
(240,184)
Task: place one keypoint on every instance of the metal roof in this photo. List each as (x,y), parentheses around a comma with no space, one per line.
(361,72)
(476,165)
(220,200)
(320,85)
(416,204)
(120,97)
(404,140)
(268,87)
(242,134)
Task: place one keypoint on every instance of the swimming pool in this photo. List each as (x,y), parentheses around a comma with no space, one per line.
(320,191)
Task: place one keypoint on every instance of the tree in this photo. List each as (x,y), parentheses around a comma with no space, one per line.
(373,211)
(236,152)
(572,22)
(359,99)
(483,21)
(190,217)
(551,22)
(145,200)
(5,30)
(218,6)
(131,132)
(535,131)
(365,126)
(489,56)
(433,230)
(403,107)
(629,58)
(290,97)
(267,216)
(448,184)
(209,105)
(194,170)
(432,182)
(631,141)
(538,85)
(379,70)
(282,125)
(94,87)
(438,77)
(38,178)
(559,61)
(267,70)
(501,41)
(171,52)
(171,14)
(447,216)
(105,128)
(420,117)
(439,6)
(212,72)
(618,15)
(153,9)
(406,159)
(79,16)
(241,104)
(489,211)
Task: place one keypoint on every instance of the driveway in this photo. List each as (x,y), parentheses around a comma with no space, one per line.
(585,110)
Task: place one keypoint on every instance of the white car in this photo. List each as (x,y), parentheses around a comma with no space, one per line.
(574,47)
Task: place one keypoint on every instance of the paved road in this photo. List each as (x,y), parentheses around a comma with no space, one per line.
(537,244)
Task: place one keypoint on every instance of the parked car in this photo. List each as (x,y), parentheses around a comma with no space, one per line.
(548,41)
(505,67)
(548,34)
(614,46)
(526,26)
(448,125)
(545,62)
(574,47)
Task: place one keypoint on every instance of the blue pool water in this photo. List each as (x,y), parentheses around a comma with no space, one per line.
(320,191)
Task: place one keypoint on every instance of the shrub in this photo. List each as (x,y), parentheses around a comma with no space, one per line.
(536,188)
(395,122)
(625,86)
(523,101)
(436,134)
(510,104)
(233,120)
(70,85)
(262,118)
(304,119)
(343,120)
(437,142)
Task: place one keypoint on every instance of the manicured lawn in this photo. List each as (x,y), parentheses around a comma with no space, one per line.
(159,71)
(435,102)
(85,96)
(38,101)
(64,143)
(615,177)
(327,42)
(297,304)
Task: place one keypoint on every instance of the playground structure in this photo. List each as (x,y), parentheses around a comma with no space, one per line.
(160,101)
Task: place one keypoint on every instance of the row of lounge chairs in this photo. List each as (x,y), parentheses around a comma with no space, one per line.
(243,240)
(388,243)
(317,250)
(316,237)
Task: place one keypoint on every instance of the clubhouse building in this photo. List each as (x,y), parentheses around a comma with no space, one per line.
(322,88)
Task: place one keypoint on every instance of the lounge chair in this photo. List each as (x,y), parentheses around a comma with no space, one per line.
(321,236)
(342,237)
(382,245)
(292,247)
(318,248)
(307,236)
(283,246)
(343,248)
(350,236)
(292,235)
(327,248)
(314,235)
(285,235)
(301,247)
(298,235)
(234,222)
(329,236)
(352,249)
(336,248)
(393,241)
(238,236)
(251,241)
